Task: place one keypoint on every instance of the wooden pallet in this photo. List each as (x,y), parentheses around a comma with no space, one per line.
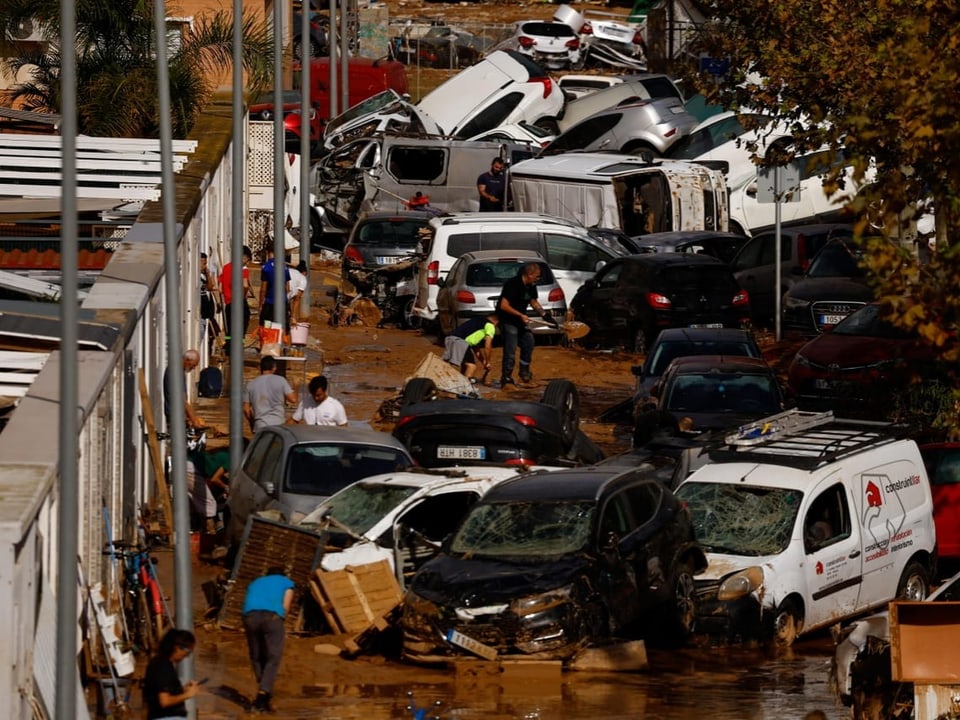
(358,601)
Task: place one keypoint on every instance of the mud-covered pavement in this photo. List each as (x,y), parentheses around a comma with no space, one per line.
(368,365)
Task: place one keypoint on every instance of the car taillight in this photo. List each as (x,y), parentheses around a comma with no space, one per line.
(353,255)
(404,420)
(433,272)
(465,296)
(670,132)
(638,38)
(526,462)
(526,42)
(556,295)
(572,44)
(801,253)
(741,298)
(586,29)
(658,301)
(525,420)
(547,84)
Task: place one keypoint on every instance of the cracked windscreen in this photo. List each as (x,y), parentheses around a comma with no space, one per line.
(741,519)
(525,530)
(361,505)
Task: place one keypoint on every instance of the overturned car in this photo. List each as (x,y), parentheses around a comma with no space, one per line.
(551,563)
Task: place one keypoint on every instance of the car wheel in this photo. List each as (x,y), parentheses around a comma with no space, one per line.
(641,150)
(682,614)
(417,390)
(787,624)
(562,395)
(548,124)
(411,321)
(914,583)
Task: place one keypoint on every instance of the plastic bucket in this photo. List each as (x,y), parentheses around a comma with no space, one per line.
(299,332)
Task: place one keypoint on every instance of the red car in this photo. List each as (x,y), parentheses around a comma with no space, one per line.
(943,469)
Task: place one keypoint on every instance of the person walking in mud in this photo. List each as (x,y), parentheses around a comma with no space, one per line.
(265,608)
(517,294)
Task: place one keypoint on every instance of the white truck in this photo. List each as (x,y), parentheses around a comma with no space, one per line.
(621,192)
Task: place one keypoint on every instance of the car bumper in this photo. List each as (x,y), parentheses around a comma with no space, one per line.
(742,618)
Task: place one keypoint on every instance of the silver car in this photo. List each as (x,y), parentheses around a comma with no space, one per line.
(472,288)
(646,128)
(290,469)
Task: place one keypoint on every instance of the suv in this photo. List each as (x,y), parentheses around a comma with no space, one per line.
(553,45)
(633,298)
(573,252)
(548,563)
(632,89)
(644,127)
(755,267)
(808,520)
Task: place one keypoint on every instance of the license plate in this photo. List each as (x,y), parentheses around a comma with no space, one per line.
(388,260)
(821,384)
(447,452)
(468,643)
(831,319)
(707,325)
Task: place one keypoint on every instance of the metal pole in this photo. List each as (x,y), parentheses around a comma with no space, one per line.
(279,215)
(237,224)
(67,574)
(778,251)
(345,53)
(332,49)
(306,108)
(183,584)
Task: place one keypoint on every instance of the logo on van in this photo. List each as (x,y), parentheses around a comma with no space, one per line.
(882,525)
(874,496)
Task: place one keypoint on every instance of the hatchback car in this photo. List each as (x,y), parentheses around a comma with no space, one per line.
(715,392)
(634,88)
(380,239)
(633,298)
(290,468)
(682,342)
(755,266)
(550,563)
(646,128)
(858,366)
(835,286)
(443,432)
(554,45)
(472,288)
(721,245)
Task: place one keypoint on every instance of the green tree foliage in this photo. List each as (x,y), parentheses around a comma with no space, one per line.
(116,65)
(878,80)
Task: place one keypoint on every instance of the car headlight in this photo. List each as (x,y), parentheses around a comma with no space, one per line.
(740,584)
(533,604)
(792,303)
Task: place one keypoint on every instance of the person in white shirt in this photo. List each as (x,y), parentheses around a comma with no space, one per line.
(317,407)
(298,284)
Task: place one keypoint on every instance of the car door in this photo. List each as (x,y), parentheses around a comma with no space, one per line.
(755,270)
(573,260)
(833,555)
(594,299)
(619,583)
(446,297)
(256,485)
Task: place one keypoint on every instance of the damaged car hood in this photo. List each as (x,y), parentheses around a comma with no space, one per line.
(456,582)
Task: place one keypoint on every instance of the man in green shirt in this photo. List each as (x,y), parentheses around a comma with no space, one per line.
(471,344)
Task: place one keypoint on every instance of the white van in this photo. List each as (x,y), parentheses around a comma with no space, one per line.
(573,252)
(599,190)
(808,520)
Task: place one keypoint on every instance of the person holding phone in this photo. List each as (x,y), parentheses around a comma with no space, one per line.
(164,695)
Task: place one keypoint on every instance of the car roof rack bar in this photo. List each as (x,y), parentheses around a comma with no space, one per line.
(785,423)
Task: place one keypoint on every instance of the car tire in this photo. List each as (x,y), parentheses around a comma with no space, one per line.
(914,583)
(417,390)
(641,150)
(410,320)
(548,124)
(562,395)
(787,623)
(681,618)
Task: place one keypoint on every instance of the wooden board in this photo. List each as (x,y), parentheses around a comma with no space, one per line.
(154,444)
(357,600)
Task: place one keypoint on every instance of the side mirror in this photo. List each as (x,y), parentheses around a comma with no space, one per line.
(599,266)
(270,489)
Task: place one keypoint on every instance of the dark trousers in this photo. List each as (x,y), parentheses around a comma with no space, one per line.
(265,639)
(513,336)
(246,318)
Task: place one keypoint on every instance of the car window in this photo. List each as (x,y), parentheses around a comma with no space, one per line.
(869,322)
(749,255)
(324,469)
(548,29)
(462,243)
(616,517)
(435,517)
(271,461)
(526,531)
(610,275)
(686,279)
(495,274)
(583,134)
(402,233)
(947,470)
(644,502)
(361,505)
(661,87)
(418,164)
(491,116)
(706,139)
(664,353)
(713,392)
(828,519)
(767,249)
(569,253)
(836,260)
(259,450)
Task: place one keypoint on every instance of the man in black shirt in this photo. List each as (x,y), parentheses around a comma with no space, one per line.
(491,186)
(517,294)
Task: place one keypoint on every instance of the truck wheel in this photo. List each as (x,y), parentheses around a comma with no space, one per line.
(417,390)
(914,583)
(562,395)
(787,624)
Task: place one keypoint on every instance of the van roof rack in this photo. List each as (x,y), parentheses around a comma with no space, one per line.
(804,439)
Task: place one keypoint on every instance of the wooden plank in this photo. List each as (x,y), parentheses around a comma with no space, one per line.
(360,597)
(154,444)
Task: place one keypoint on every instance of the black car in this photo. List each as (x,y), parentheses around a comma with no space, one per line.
(382,238)
(716,392)
(721,245)
(550,563)
(631,299)
(441,432)
(835,286)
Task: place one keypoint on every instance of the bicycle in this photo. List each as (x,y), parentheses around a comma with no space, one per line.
(144,613)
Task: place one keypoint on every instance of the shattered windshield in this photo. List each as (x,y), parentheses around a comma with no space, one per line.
(361,505)
(525,530)
(741,519)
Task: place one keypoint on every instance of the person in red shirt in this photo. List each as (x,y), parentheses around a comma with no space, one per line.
(226,287)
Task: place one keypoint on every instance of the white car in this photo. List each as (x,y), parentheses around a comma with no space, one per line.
(576,86)
(518,132)
(554,45)
(401,517)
